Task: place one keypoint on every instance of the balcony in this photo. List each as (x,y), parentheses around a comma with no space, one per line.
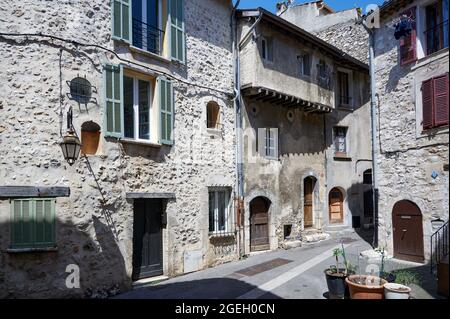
(437,37)
(147,37)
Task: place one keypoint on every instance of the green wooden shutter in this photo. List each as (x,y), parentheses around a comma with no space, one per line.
(44,223)
(121,19)
(113,77)
(166,110)
(177,30)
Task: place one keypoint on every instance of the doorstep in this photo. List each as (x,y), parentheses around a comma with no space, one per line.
(148,281)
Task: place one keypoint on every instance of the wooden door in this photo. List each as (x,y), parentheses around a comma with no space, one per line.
(147,239)
(408,231)
(336,206)
(308,189)
(259,224)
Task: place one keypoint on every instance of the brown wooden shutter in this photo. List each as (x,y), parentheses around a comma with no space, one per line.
(427,104)
(408,52)
(440,87)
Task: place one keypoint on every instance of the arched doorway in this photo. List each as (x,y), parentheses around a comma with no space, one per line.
(407,231)
(259,224)
(336,206)
(309,184)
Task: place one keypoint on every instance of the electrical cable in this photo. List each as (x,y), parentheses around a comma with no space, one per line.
(87,45)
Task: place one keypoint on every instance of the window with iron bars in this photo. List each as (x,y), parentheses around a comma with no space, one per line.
(221,221)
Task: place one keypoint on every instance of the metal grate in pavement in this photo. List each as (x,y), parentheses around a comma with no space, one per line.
(268,265)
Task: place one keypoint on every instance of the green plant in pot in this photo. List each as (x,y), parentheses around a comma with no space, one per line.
(401,288)
(335,276)
(388,276)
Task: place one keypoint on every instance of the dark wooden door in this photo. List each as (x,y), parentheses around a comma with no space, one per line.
(259,224)
(336,206)
(308,187)
(408,231)
(147,239)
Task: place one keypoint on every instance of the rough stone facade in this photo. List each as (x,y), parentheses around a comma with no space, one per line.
(407,155)
(94,226)
(306,139)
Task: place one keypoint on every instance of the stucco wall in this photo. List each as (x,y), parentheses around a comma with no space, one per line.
(93,233)
(406,155)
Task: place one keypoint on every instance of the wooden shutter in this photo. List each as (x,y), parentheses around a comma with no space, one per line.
(44,222)
(113,86)
(177,30)
(121,19)
(166,110)
(33,223)
(440,95)
(274,134)
(408,51)
(427,104)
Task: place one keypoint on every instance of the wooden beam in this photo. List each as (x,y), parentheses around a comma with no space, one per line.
(150,195)
(33,191)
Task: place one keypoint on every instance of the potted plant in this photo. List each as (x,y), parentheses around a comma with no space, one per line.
(365,286)
(335,276)
(400,288)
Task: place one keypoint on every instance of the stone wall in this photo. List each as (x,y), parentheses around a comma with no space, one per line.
(95,224)
(406,155)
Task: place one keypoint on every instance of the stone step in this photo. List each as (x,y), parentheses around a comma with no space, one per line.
(315,237)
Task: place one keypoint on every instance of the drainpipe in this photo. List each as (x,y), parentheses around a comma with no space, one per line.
(373,117)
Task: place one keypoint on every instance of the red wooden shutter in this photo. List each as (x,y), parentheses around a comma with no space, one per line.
(427,104)
(408,52)
(440,86)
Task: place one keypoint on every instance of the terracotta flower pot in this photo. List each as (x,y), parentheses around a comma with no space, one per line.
(365,287)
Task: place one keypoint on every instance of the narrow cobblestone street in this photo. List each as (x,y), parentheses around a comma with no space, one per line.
(298,276)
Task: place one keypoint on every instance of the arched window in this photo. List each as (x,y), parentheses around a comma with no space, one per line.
(90,138)
(212,115)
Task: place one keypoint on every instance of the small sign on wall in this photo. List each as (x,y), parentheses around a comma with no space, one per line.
(192,261)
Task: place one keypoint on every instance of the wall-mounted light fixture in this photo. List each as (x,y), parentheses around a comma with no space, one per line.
(70,145)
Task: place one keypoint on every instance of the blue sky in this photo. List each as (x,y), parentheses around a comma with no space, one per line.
(335,4)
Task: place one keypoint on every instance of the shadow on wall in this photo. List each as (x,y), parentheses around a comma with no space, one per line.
(213,288)
(361,212)
(43,274)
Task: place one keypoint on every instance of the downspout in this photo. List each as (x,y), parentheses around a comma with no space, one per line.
(238,129)
(373,116)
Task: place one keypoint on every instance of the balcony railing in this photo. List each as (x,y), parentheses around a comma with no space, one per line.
(147,37)
(437,37)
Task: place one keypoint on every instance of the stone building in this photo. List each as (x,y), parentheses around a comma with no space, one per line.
(306,138)
(344,30)
(412,109)
(151,88)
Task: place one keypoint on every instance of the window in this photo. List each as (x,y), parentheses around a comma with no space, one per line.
(436,24)
(140,22)
(305,64)
(136,105)
(323,74)
(267,49)
(340,141)
(435,106)
(146,24)
(344,88)
(212,115)
(367,177)
(220,212)
(128,111)
(268,142)
(408,52)
(33,223)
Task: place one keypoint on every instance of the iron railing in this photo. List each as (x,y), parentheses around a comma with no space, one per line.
(147,37)
(439,246)
(437,37)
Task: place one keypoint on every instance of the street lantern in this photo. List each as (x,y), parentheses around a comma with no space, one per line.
(70,145)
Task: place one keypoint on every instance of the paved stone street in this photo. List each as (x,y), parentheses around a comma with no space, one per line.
(292,274)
